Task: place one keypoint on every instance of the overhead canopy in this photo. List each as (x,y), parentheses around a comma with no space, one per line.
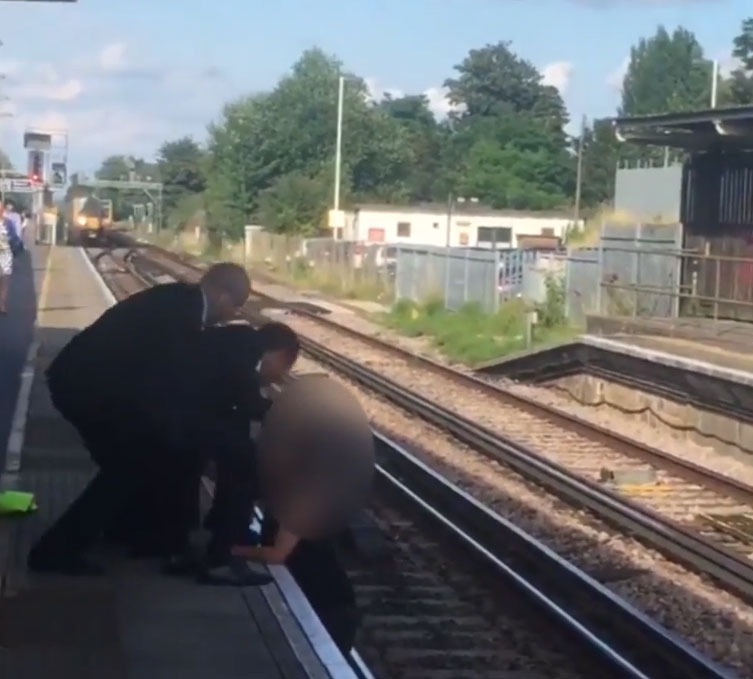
(730,128)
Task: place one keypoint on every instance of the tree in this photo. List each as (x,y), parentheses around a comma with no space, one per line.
(181,170)
(741,81)
(508,145)
(426,138)
(115,168)
(667,74)
(493,81)
(600,156)
(296,204)
(291,131)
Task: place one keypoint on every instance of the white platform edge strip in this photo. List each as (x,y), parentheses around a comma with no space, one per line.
(703,367)
(106,292)
(17,432)
(329,655)
(324,648)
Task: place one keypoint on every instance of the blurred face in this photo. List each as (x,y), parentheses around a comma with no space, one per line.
(274,366)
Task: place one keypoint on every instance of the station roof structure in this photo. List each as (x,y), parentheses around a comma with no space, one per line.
(718,128)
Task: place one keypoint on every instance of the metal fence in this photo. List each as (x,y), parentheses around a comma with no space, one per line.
(635,271)
(649,193)
(342,267)
(458,276)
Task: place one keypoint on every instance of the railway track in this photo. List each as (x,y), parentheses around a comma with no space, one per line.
(428,622)
(691,514)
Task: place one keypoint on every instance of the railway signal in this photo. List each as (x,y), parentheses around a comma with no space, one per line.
(59,175)
(36,166)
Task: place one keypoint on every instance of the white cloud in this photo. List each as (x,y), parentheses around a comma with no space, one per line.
(616,77)
(112,57)
(558,74)
(439,104)
(65,91)
(376,91)
(104,130)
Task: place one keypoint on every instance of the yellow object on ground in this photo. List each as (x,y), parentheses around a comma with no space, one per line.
(17,502)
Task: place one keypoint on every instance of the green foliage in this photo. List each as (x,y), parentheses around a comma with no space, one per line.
(181,169)
(667,73)
(600,156)
(294,204)
(119,168)
(268,146)
(494,81)
(551,311)
(740,90)
(471,336)
(509,147)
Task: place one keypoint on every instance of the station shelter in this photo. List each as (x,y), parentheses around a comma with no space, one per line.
(716,202)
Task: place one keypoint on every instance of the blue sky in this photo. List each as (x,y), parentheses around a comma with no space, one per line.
(124,75)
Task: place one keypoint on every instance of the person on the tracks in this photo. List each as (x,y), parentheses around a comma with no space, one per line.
(6,261)
(115,382)
(317,569)
(241,362)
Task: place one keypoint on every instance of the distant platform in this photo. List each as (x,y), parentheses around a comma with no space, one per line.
(700,377)
(134,623)
(724,344)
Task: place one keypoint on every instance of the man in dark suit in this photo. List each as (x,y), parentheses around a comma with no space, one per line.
(116,383)
(240,362)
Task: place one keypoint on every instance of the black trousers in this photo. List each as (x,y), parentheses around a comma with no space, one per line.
(139,476)
(236,491)
(341,623)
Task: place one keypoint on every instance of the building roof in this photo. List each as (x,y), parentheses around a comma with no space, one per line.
(694,130)
(458,210)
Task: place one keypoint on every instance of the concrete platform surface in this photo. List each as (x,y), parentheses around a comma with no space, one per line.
(133,623)
(727,344)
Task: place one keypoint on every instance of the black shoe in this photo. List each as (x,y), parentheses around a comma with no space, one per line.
(234,573)
(64,565)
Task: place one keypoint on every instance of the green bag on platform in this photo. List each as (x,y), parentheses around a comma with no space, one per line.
(17,502)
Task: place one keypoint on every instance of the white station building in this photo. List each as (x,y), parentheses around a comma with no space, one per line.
(470,225)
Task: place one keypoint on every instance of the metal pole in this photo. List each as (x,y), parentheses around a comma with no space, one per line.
(600,270)
(450,202)
(338,148)
(579,177)
(714,83)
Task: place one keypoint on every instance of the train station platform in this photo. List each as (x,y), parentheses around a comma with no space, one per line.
(133,623)
(720,348)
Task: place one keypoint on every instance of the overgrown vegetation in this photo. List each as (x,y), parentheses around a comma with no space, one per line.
(471,336)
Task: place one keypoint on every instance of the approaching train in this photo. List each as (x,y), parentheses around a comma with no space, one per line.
(87,218)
